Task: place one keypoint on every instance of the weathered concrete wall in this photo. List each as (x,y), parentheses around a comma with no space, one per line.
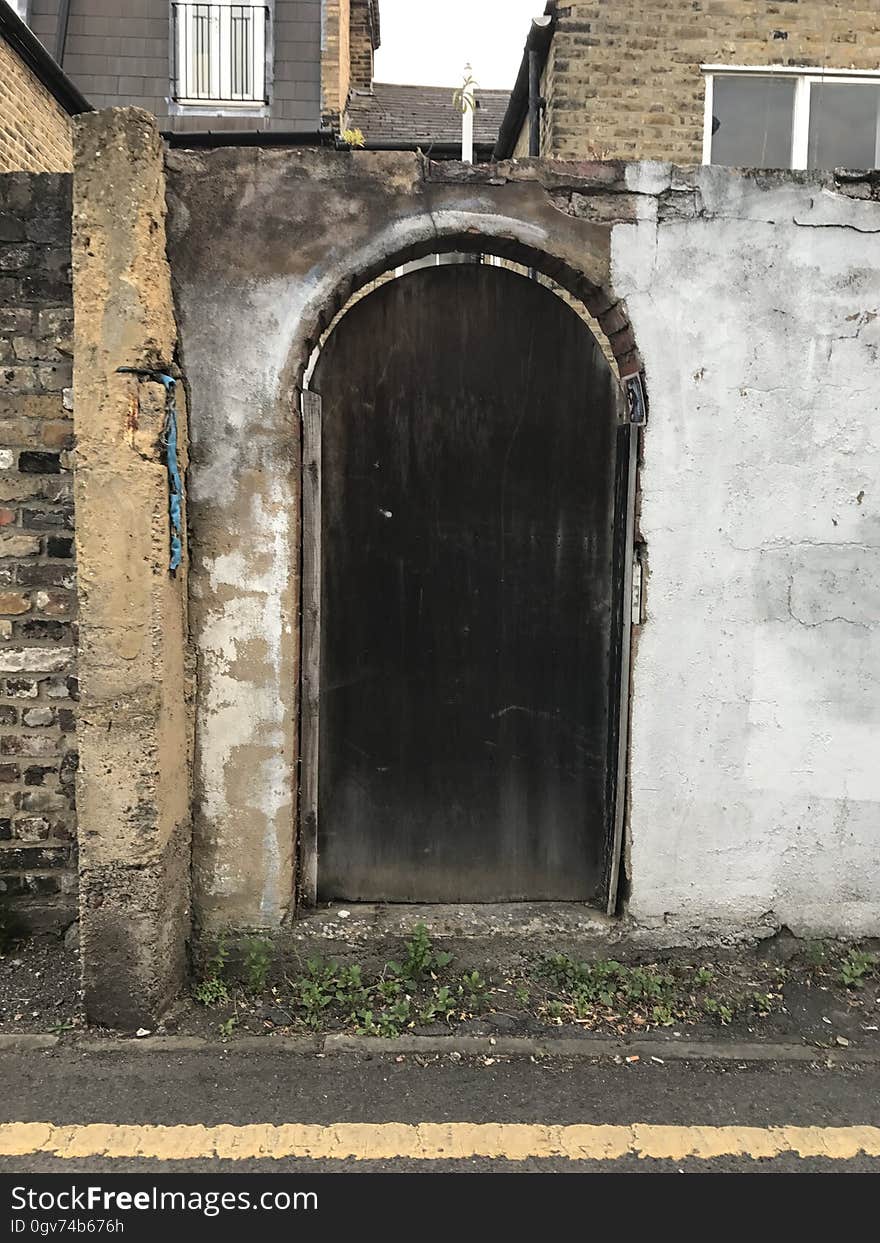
(755,710)
(252,298)
(38,686)
(133,782)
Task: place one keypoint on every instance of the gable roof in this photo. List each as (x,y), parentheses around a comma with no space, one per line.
(422,114)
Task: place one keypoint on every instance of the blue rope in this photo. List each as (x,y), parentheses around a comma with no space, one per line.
(169,441)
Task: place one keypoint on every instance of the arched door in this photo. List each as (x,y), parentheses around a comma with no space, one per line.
(470,595)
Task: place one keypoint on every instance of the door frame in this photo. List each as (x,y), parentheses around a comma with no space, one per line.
(632,415)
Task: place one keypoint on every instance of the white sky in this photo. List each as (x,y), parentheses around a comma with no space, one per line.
(428,42)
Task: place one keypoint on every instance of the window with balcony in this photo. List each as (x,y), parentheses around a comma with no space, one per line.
(220,54)
(799,118)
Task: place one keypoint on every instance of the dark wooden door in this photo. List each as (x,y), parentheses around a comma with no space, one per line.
(468,594)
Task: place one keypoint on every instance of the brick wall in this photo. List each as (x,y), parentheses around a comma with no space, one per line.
(625,79)
(335,60)
(35,131)
(38,688)
(362,44)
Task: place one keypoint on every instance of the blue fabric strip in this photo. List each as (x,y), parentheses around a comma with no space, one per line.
(169,442)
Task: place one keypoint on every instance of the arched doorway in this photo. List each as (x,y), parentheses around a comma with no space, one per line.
(465,554)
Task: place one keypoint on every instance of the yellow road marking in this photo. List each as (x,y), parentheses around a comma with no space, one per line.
(433,1141)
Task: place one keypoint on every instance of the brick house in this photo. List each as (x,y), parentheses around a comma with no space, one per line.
(736,82)
(37,101)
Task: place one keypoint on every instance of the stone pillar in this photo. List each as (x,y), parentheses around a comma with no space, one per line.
(134,738)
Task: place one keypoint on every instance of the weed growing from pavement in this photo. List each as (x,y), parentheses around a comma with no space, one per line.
(856,968)
(212,989)
(257,963)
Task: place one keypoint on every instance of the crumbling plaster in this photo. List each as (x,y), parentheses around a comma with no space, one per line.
(753,797)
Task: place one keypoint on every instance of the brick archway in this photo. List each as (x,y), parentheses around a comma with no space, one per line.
(469,232)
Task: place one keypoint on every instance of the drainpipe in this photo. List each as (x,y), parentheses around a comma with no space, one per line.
(534,102)
(61,32)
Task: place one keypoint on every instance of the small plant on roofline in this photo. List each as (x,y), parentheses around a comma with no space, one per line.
(353,137)
(464,98)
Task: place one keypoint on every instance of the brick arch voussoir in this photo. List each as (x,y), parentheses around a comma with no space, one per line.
(609,311)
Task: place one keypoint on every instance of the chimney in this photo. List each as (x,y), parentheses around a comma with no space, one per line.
(364,39)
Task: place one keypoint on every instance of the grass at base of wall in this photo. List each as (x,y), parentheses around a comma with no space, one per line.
(246,987)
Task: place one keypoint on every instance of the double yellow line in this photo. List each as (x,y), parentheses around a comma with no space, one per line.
(433,1141)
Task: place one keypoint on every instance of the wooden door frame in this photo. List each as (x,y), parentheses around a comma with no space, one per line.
(310,650)
(632,413)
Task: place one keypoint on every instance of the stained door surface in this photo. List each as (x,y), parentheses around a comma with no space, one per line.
(468,594)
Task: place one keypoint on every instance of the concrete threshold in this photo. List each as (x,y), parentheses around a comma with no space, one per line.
(368,922)
(660,1049)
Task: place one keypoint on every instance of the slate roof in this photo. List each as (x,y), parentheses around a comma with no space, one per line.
(422,114)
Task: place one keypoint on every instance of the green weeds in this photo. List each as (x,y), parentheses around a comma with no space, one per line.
(418,989)
(422,986)
(856,967)
(642,996)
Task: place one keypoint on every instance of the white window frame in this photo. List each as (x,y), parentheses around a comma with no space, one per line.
(220,69)
(806,77)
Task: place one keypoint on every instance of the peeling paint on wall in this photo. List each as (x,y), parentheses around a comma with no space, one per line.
(756,703)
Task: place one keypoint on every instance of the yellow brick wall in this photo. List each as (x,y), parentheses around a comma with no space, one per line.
(626,81)
(35,131)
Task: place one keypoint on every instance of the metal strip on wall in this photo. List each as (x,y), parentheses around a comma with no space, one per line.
(636,414)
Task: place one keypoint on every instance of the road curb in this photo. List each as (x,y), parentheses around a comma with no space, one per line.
(591,1048)
(23,1042)
(599,1048)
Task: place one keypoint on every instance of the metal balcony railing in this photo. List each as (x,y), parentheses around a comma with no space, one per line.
(220,53)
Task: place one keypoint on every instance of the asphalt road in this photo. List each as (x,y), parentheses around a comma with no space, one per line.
(225,1088)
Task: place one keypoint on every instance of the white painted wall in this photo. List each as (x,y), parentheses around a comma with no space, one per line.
(755,778)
